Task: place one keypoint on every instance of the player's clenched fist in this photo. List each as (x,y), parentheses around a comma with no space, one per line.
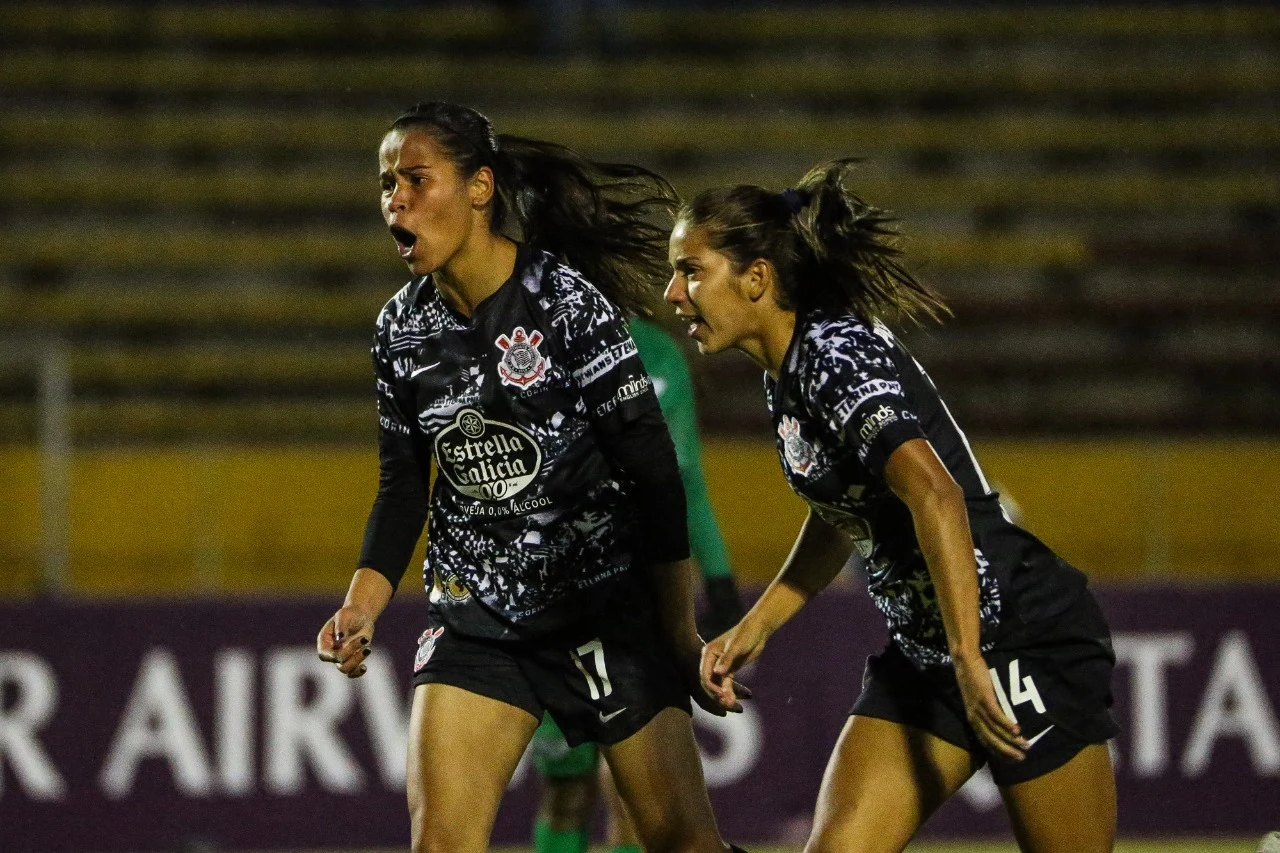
(347,640)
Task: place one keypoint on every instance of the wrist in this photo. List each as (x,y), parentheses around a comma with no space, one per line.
(755,621)
(967,656)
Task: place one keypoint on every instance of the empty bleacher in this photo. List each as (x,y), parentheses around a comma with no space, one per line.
(190,211)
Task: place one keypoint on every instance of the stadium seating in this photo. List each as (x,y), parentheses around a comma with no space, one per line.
(188,192)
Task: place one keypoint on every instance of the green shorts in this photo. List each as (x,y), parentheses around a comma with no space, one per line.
(555,759)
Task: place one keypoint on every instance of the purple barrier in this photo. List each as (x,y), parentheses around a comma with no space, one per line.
(130,727)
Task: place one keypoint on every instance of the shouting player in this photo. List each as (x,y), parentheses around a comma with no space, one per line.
(998,652)
(571,784)
(558,561)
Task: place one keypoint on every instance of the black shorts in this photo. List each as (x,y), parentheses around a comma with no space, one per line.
(1054,678)
(602,686)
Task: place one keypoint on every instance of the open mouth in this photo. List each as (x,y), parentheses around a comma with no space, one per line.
(404,239)
(694,322)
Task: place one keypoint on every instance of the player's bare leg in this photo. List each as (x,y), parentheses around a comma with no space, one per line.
(659,777)
(619,831)
(463,750)
(1070,810)
(882,781)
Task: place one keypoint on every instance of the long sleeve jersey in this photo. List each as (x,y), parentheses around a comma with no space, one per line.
(555,472)
(669,371)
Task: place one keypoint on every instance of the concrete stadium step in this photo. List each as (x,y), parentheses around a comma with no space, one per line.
(828,81)
(365,253)
(167,419)
(179,308)
(346,189)
(748,26)
(283,135)
(232,365)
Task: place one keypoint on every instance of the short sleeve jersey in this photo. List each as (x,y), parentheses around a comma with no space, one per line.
(847,396)
(527,522)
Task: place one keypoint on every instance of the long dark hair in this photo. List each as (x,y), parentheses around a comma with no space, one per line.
(830,249)
(609,221)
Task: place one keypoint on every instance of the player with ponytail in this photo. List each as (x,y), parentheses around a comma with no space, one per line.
(558,569)
(998,653)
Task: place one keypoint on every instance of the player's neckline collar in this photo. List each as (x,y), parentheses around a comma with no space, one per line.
(523,257)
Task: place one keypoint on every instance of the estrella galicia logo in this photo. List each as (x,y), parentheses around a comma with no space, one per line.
(485,459)
(797,451)
(522,364)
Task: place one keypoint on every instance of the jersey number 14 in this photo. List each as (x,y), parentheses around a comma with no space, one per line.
(1022,689)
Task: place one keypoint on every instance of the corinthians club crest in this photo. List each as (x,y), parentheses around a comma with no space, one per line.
(426,645)
(797,451)
(522,364)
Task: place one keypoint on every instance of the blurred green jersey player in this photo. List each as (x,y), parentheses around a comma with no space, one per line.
(569,796)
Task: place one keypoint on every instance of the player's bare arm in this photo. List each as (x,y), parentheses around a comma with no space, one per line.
(820,551)
(917,476)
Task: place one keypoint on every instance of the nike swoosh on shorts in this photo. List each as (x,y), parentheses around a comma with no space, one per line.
(1032,741)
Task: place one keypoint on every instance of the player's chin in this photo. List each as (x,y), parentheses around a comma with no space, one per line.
(421,264)
(709,345)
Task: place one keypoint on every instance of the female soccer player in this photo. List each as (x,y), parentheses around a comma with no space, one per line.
(558,557)
(998,653)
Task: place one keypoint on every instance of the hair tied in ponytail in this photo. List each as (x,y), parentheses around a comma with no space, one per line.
(795,200)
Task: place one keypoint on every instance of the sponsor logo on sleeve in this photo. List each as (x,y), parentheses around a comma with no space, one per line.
(875,422)
(604,362)
(626,391)
(485,459)
(797,452)
(874,388)
(522,364)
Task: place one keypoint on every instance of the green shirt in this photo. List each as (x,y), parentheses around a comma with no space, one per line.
(669,371)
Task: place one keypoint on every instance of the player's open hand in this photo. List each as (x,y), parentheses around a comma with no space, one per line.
(727,654)
(347,640)
(1001,734)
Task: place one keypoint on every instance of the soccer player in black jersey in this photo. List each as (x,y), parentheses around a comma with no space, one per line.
(558,557)
(998,652)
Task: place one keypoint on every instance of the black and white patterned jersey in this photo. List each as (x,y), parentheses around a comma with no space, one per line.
(528,520)
(848,394)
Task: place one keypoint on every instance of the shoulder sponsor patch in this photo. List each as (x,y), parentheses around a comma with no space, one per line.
(876,421)
(604,362)
(521,364)
(626,391)
(874,388)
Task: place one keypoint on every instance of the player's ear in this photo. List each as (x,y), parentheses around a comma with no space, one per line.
(481,186)
(757,279)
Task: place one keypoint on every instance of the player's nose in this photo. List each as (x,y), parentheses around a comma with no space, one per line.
(398,201)
(675,292)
